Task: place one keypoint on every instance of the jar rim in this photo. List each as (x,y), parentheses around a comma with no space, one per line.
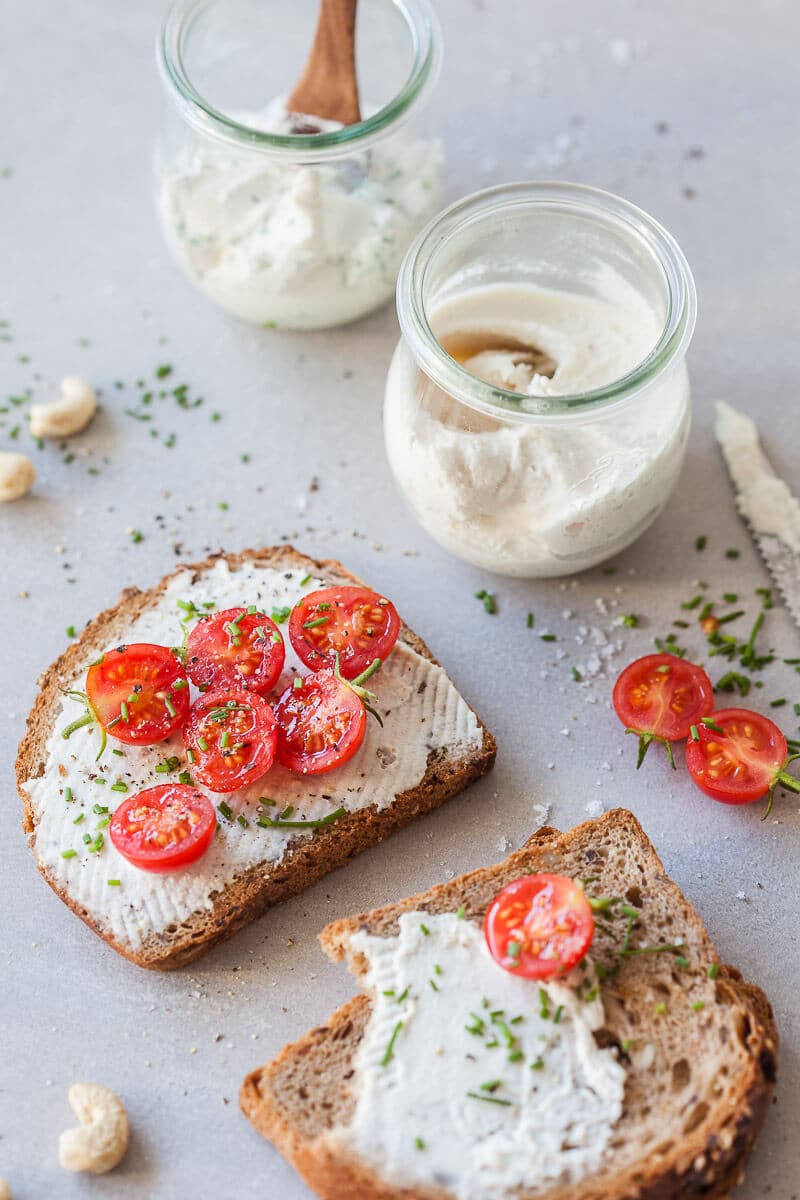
(572,198)
(425,33)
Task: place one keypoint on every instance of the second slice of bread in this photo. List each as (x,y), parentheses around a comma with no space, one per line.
(698,1044)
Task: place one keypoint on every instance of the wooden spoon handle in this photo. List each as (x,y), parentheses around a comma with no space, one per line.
(328,86)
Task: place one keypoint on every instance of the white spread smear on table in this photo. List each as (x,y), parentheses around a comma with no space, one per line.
(421,710)
(536,1124)
(300,244)
(763,498)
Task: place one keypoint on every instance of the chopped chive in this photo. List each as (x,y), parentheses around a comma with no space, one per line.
(114,883)
(660,1008)
(118,753)
(693,603)
(434,985)
(79,818)
(489,1099)
(119,786)
(279,615)
(282,823)
(306,579)
(179,684)
(68,795)
(224,739)
(680,961)
(730,597)
(713,971)
(243,821)
(732,553)
(461,912)
(627,1044)
(710,724)
(123,712)
(186,778)
(530,620)
(537,1064)
(630,619)
(68,853)
(778,703)
(694,734)
(419,1144)
(225,810)
(558,1014)
(701,542)
(170,707)
(403,995)
(424,929)
(202,743)
(698,1005)
(492,1085)
(547,637)
(389,1052)
(70,631)
(488,600)
(316,622)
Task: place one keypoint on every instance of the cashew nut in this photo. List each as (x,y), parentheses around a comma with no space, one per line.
(101,1139)
(17,475)
(66,416)
(5,1190)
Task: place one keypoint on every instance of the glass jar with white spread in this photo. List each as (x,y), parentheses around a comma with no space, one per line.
(287,219)
(537,407)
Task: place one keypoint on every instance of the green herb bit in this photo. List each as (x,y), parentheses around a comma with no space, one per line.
(537,1064)
(576,675)
(225,810)
(547,637)
(282,823)
(660,1008)
(119,786)
(530,620)
(732,552)
(418,1143)
(389,1052)
(114,882)
(713,971)
(558,1014)
(488,600)
(68,853)
(279,615)
(403,995)
(79,818)
(630,620)
(424,929)
(515,1056)
(544,1004)
(489,1099)
(70,631)
(461,912)
(681,961)
(710,724)
(778,703)
(243,821)
(202,743)
(306,579)
(698,1005)
(693,603)
(492,1085)
(186,778)
(701,542)
(314,624)
(169,764)
(163,371)
(732,680)
(434,985)
(627,1045)
(694,734)
(730,597)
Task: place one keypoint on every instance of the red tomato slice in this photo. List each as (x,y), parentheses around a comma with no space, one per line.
(235,649)
(321,724)
(540,926)
(660,697)
(354,622)
(741,760)
(230,739)
(164,828)
(139,693)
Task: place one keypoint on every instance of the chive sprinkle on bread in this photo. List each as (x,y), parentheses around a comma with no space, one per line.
(646,1073)
(431,745)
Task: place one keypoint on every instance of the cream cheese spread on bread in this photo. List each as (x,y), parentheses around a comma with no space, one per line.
(421,710)
(472,1079)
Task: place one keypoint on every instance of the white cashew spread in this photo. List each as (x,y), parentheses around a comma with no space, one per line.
(101,1139)
(17,475)
(66,416)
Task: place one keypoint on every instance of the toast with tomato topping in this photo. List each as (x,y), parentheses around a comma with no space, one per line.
(276,836)
(695,1047)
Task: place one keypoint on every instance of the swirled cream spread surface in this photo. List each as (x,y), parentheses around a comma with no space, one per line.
(73,797)
(471,1079)
(297,244)
(537,497)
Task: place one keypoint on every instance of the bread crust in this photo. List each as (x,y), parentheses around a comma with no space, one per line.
(308,858)
(708,1162)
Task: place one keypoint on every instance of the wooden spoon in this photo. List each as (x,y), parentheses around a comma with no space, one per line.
(328,86)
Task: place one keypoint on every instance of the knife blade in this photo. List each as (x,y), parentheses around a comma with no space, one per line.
(764,500)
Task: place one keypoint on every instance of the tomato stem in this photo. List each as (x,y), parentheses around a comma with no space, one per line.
(89,718)
(645,742)
(782,779)
(366,697)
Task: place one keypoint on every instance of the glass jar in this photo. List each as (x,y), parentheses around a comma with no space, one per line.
(537,406)
(282,221)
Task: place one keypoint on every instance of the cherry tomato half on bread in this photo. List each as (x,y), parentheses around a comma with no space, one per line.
(139,693)
(164,828)
(659,697)
(321,723)
(235,649)
(230,739)
(540,926)
(738,757)
(354,622)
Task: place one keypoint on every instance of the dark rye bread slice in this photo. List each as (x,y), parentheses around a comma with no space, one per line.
(307,858)
(693,1105)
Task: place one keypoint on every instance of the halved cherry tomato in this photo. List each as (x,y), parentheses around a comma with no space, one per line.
(739,756)
(354,622)
(230,739)
(164,828)
(139,693)
(660,697)
(540,926)
(321,723)
(235,649)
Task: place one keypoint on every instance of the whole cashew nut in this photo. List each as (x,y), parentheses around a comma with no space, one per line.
(66,416)
(17,475)
(101,1139)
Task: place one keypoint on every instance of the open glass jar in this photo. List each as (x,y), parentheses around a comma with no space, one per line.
(537,407)
(300,223)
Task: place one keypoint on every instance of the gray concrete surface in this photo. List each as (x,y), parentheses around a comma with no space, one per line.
(689,110)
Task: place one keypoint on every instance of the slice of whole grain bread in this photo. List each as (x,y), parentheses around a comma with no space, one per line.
(307,858)
(699,1043)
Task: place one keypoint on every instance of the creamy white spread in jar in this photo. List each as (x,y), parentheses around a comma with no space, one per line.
(471,1079)
(542,496)
(301,245)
